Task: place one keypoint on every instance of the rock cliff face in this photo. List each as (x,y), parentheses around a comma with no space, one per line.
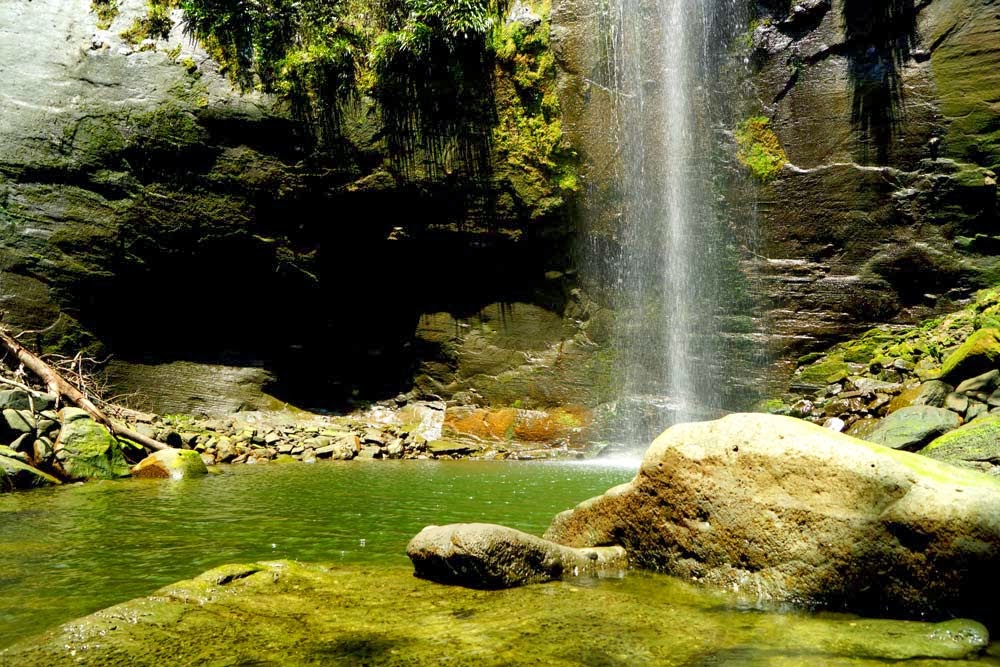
(151,211)
(887,113)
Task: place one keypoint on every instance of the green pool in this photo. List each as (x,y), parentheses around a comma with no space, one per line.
(68,552)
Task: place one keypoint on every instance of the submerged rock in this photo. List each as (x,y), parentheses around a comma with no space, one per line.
(171,463)
(481,555)
(284,613)
(782,509)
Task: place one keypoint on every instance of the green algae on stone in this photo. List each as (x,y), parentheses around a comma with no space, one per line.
(966,66)
(86,450)
(977,442)
(979,354)
(831,369)
(293,614)
(106,11)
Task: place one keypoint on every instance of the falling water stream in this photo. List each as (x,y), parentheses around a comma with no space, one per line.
(663,64)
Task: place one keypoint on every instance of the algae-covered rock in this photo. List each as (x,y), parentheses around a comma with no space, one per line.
(480,555)
(16,474)
(86,450)
(977,444)
(285,613)
(787,510)
(980,353)
(171,463)
(913,427)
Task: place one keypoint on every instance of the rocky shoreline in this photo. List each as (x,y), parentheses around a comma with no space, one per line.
(49,446)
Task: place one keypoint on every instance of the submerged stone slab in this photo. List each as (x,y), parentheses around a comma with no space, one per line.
(786,510)
(482,555)
(283,613)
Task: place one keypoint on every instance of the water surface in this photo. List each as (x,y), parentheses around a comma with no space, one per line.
(69,551)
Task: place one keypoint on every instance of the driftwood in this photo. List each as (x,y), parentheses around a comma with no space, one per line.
(59,386)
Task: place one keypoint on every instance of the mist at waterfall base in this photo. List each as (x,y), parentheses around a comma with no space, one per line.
(685,336)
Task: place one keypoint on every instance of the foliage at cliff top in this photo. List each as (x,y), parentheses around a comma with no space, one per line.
(453,79)
(758,148)
(925,346)
(528,137)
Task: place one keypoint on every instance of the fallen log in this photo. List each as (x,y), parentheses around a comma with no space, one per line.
(59,386)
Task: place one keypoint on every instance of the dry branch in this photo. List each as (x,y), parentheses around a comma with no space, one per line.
(59,386)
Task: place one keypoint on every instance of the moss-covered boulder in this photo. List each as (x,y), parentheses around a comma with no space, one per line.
(975,445)
(913,427)
(788,510)
(86,450)
(172,464)
(980,353)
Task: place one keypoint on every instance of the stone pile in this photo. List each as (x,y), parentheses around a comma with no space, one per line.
(40,445)
(951,413)
(259,438)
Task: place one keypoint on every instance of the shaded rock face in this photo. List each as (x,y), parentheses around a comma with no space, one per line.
(782,509)
(157,213)
(888,115)
(480,555)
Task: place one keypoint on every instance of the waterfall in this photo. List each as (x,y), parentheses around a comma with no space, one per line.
(672,274)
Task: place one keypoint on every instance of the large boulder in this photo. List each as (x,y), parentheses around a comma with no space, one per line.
(481,555)
(785,510)
(912,427)
(172,464)
(86,450)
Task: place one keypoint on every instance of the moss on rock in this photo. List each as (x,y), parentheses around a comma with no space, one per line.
(759,149)
(978,354)
(978,442)
(86,450)
(289,613)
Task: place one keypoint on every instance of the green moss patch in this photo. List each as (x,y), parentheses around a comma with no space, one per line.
(758,148)
(976,442)
(106,10)
(978,354)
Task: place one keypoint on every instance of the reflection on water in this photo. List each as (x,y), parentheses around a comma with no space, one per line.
(70,551)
